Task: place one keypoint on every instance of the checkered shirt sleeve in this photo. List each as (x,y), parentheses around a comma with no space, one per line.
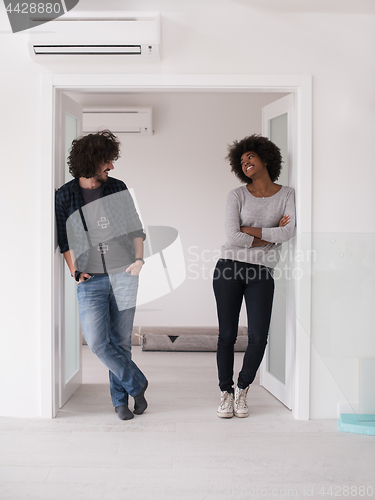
(61,218)
(68,201)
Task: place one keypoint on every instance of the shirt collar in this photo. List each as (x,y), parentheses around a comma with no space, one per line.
(76,187)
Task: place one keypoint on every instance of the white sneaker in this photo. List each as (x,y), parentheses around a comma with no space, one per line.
(225,409)
(240,405)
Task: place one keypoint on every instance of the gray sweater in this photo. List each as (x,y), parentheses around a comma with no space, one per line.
(244,209)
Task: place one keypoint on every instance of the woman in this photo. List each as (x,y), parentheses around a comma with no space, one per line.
(260,216)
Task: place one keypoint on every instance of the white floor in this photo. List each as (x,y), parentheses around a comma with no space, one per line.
(179,449)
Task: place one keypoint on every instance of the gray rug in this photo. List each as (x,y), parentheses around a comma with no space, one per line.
(186,339)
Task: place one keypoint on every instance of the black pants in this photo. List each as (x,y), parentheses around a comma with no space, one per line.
(232,281)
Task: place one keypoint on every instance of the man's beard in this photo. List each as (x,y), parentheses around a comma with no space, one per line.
(101,177)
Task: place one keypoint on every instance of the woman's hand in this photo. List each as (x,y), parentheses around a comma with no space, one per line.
(256,232)
(284,221)
(252,231)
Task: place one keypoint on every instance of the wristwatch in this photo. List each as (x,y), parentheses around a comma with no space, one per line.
(140,258)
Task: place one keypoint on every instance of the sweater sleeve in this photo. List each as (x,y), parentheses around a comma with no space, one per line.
(283,234)
(233,223)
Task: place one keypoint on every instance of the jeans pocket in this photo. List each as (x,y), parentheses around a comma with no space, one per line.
(84,281)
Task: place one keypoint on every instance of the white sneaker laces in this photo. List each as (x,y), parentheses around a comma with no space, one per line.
(240,402)
(226,402)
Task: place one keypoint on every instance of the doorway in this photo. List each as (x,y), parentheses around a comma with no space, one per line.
(193,180)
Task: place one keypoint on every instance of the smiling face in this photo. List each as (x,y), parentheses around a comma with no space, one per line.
(102,172)
(251,164)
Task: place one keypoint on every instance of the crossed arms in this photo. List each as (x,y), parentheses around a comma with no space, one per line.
(256,232)
(280,230)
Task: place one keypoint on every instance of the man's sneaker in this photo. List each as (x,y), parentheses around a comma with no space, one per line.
(240,405)
(225,409)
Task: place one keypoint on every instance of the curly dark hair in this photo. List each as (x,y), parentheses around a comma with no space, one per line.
(267,151)
(88,153)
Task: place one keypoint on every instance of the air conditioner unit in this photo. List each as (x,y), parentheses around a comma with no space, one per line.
(119,120)
(135,34)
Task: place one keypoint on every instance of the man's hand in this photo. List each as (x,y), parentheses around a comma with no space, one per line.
(135,268)
(284,221)
(83,277)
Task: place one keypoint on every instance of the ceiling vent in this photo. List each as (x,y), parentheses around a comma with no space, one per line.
(135,34)
(119,120)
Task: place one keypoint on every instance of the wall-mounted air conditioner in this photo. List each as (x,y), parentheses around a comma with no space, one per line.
(133,34)
(119,120)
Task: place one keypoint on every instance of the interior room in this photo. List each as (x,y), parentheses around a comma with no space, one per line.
(208,55)
(179,175)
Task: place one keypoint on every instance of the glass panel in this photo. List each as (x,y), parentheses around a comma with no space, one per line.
(343,298)
(340,268)
(277,333)
(279,135)
(72,333)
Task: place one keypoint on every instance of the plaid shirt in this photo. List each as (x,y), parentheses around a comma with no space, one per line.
(119,208)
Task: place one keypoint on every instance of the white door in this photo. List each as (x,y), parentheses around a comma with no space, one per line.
(67,341)
(277,368)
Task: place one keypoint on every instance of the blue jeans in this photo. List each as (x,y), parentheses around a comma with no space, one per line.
(106,309)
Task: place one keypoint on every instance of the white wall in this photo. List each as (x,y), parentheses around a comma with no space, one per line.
(333,41)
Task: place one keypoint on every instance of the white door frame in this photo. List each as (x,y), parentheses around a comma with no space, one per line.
(282,390)
(300,85)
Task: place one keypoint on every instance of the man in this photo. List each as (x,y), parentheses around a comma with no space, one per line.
(101,237)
